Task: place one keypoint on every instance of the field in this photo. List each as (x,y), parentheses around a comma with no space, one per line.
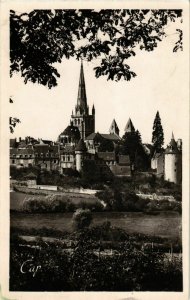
(164,225)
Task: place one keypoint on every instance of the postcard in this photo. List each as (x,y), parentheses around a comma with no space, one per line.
(94,150)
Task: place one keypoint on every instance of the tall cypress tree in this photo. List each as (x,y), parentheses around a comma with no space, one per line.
(158,133)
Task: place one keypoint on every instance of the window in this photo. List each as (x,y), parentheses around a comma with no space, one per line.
(30,155)
(41,155)
(13,161)
(26,156)
(47,154)
(20,156)
(55,161)
(68,158)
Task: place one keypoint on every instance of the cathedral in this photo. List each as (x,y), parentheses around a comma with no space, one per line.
(80,144)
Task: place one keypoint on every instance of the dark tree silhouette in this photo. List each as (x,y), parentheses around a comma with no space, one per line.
(41,38)
(131,142)
(157,134)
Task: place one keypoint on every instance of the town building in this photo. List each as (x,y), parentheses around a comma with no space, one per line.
(79,143)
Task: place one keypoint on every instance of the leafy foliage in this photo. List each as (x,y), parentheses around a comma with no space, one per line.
(12,121)
(41,38)
(85,268)
(82,218)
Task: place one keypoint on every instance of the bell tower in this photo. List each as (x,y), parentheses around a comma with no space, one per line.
(81,117)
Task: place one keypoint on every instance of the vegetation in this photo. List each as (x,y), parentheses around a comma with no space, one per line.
(41,38)
(157,134)
(88,267)
(58,203)
(82,218)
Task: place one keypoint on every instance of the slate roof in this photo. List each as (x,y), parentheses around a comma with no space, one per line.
(108,156)
(112,137)
(124,160)
(21,151)
(70,130)
(81,146)
(68,149)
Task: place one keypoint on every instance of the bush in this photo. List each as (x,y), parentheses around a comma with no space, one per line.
(82,218)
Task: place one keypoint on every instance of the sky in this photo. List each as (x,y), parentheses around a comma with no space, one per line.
(45,113)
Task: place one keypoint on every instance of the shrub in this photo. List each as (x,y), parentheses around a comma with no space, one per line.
(82,218)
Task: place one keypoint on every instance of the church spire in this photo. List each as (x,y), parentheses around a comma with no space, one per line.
(114,129)
(81,99)
(129,126)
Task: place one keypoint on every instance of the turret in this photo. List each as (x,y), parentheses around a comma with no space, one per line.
(173,162)
(80,151)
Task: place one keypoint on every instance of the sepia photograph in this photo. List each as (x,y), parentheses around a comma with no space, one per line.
(96,106)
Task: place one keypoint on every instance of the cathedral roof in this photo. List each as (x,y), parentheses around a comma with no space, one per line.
(112,137)
(129,126)
(81,146)
(72,131)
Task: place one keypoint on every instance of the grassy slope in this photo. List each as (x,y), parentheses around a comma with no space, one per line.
(165,224)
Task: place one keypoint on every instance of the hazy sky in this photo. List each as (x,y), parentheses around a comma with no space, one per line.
(44,113)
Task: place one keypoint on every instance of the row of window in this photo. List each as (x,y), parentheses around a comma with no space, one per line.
(36,155)
(66,158)
(22,156)
(14,162)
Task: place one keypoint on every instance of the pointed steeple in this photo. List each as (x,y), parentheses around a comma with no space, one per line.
(129,126)
(173,136)
(114,129)
(81,99)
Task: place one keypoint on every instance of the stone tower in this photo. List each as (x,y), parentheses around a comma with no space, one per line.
(80,151)
(114,129)
(173,162)
(81,117)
